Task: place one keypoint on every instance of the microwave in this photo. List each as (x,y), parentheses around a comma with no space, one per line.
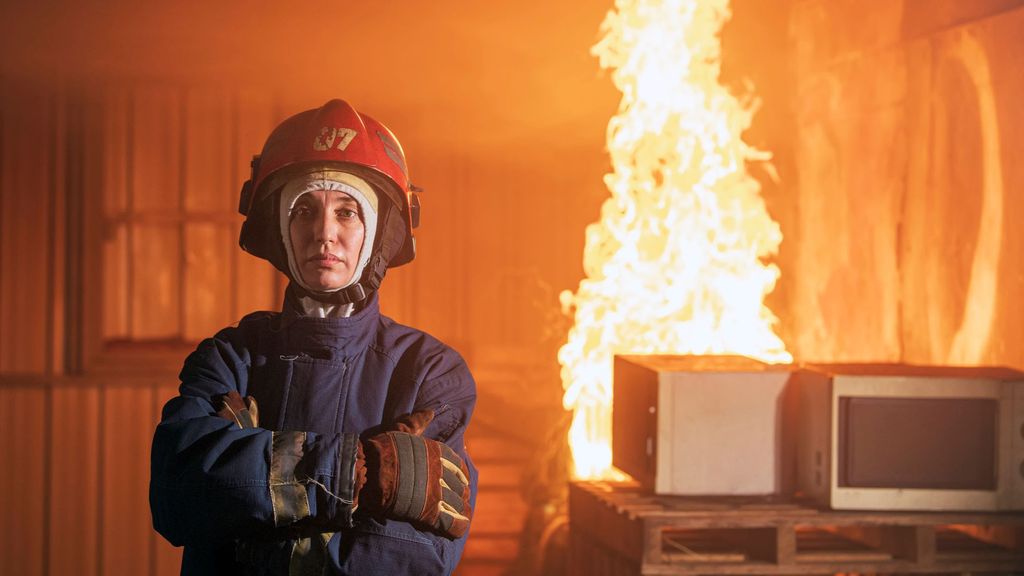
(704,425)
(898,437)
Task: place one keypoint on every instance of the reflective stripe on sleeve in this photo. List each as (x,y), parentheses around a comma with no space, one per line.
(287,495)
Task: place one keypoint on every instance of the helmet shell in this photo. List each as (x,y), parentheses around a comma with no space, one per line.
(333,136)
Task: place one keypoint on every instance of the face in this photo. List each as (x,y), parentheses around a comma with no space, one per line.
(326,230)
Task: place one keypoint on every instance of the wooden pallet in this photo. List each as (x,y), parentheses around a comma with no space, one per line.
(617,529)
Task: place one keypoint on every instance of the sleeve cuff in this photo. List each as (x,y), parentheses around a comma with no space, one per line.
(287,495)
(325,485)
(351,475)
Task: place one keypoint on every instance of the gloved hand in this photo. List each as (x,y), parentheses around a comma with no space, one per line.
(232,407)
(417,479)
(413,423)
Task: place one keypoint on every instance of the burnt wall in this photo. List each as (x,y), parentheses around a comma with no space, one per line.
(908,183)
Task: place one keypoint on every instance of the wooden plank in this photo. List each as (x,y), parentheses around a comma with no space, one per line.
(155,148)
(155,185)
(209,155)
(499,474)
(7,141)
(26,228)
(255,283)
(592,514)
(115,301)
(155,282)
(208,306)
(912,543)
(725,518)
(831,545)
(579,554)
(919,545)
(774,541)
(257,115)
(590,558)
(126,533)
(84,209)
(1009,537)
(22,489)
(680,546)
(776,545)
(652,548)
(57,255)
(116,111)
(74,477)
(488,446)
(499,512)
(492,547)
(113,191)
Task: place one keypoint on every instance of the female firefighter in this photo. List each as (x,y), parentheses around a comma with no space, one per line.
(325,438)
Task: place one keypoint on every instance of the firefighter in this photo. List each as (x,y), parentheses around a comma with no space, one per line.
(325,438)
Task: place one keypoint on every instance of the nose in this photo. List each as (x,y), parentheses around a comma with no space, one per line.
(325,230)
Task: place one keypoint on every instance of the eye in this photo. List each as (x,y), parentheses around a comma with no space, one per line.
(301,211)
(346,213)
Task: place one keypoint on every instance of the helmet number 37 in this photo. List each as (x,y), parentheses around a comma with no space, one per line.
(327,137)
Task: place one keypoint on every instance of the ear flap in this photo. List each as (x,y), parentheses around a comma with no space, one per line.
(245,198)
(403,248)
(261,236)
(247,236)
(414,209)
(397,245)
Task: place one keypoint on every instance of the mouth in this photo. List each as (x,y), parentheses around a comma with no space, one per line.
(326,260)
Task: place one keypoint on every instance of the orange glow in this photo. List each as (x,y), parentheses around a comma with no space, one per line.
(675,263)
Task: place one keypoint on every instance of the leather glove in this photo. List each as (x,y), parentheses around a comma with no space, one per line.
(413,423)
(417,479)
(245,413)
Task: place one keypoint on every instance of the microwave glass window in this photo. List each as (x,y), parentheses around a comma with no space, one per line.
(937,443)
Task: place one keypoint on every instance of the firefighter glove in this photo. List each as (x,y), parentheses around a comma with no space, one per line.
(417,479)
(232,407)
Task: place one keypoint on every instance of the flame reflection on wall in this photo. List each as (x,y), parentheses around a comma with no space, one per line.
(675,263)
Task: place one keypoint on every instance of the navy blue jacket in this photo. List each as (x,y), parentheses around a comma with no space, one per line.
(230,495)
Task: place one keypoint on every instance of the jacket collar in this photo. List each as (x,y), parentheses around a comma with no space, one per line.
(327,337)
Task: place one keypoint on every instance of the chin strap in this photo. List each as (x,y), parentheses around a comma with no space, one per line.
(377,267)
(348,295)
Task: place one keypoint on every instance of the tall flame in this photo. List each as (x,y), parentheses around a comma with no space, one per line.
(674,266)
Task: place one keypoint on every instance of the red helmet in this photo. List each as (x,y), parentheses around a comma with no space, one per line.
(333,136)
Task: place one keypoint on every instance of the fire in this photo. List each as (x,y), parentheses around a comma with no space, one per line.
(675,263)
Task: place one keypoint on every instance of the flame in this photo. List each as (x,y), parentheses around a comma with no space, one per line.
(675,263)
